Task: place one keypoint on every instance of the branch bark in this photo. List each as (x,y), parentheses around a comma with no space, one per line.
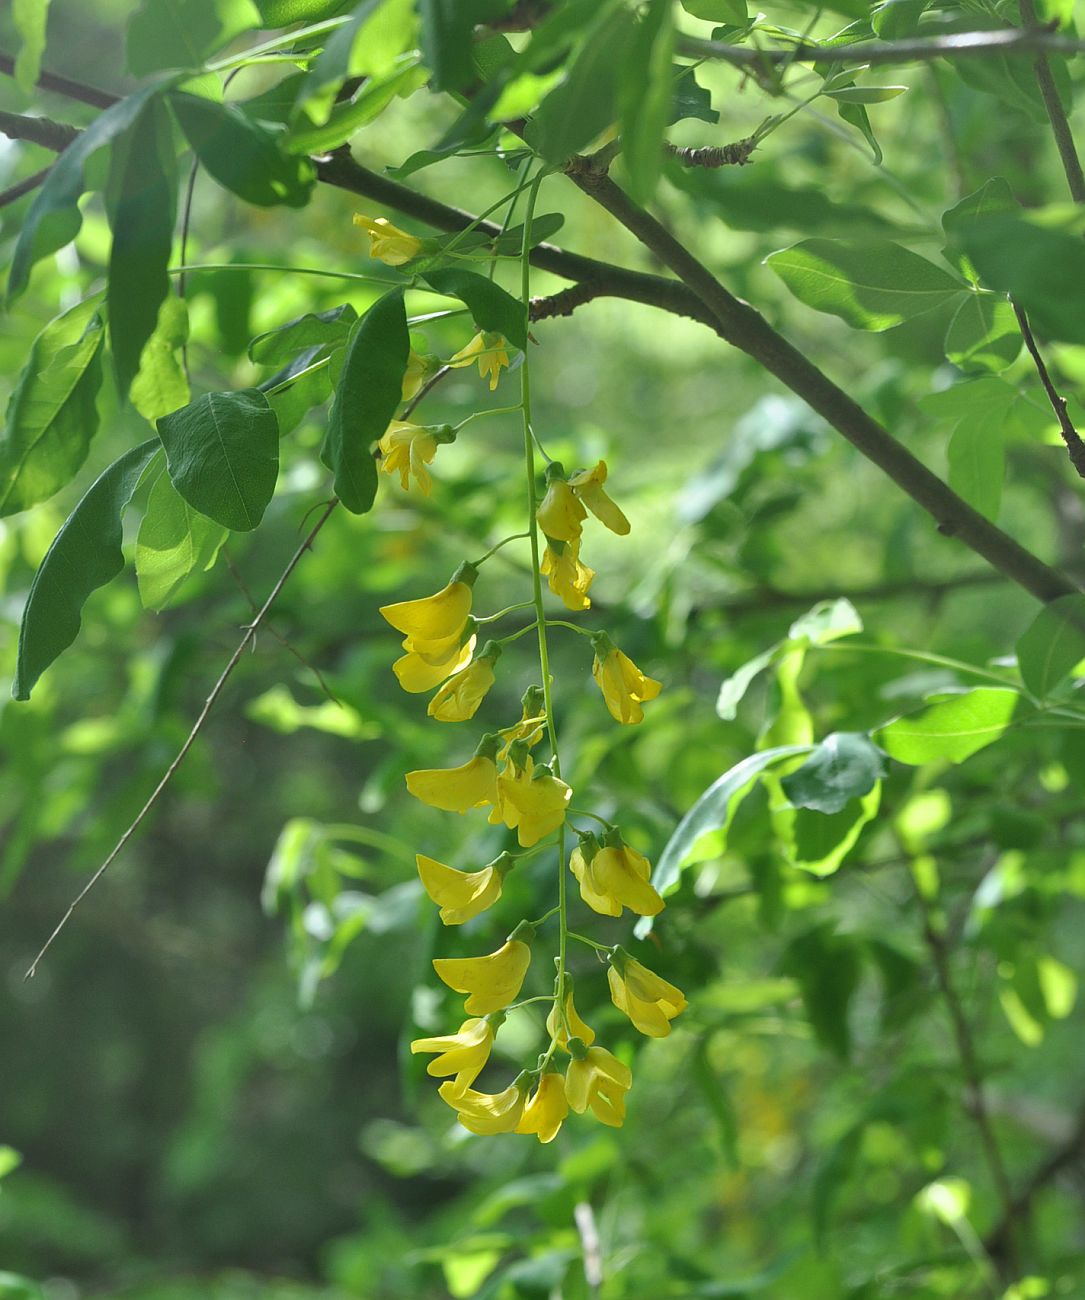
(1056,114)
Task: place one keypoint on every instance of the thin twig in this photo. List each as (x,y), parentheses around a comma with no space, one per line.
(43,131)
(1070,435)
(15,192)
(736,154)
(1056,114)
(1011,40)
(197,727)
(425,391)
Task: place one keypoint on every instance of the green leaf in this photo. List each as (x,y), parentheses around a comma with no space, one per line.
(865,94)
(827,968)
(872,284)
(285,13)
(646,98)
(844,766)
(142,190)
(85,555)
(448,29)
(30,18)
(983,335)
(584,102)
(54,219)
(857,116)
(222,452)
(242,156)
(894,19)
(952,729)
(827,621)
(734,688)
(1053,645)
(291,405)
(691,100)
(51,416)
(993,196)
(1013,82)
(712,812)
(320,329)
(346,119)
(1041,268)
(977,462)
(366,398)
(819,842)
(161,385)
(174,542)
(490,306)
(182,33)
(718,11)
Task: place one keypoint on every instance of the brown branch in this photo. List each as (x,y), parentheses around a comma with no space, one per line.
(1011,40)
(15,192)
(38,130)
(746,329)
(725,155)
(1070,435)
(197,727)
(1056,114)
(568,300)
(77,90)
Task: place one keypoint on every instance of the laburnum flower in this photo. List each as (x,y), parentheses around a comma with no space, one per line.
(532,724)
(546,1108)
(462,894)
(612,875)
(560,1028)
(408,448)
(488,1113)
(438,617)
(419,366)
(459,789)
(463,1053)
(647,999)
(597,1079)
(560,513)
(490,350)
(422,670)
(623,684)
(493,981)
(459,698)
(564,573)
(387,243)
(588,487)
(533,800)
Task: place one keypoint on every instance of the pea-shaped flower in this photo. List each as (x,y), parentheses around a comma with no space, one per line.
(533,801)
(562,1028)
(462,894)
(546,1108)
(463,1053)
(406,450)
(560,513)
(459,698)
(588,487)
(597,1079)
(650,1002)
(458,789)
(490,350)
(488,1113)
(419,671)
(612,875)
(492,982)
(565,575)
(625,688)
(439,617)
(387,243)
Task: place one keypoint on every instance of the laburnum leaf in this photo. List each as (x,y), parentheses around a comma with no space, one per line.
(85,555)
(369,390)
(52,416)
(984,334)
(448,29)
(30,18)
(994,195)
(241,155)
(646,98)
(1053,645)
(950,729)
(313,330)
(977,462)
(491,306)
(222,452)
(174,542)
(843,766)
(161,385)
(182,33)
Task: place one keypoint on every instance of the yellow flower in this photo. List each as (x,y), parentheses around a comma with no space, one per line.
(561,1029)
(488,1113)
(489,350)
(588,486)
(560,514)
(623,684)
(459,698)
(458,789)
(533,802)
(649,1001)
(418,367)
(568,578)
(408,448)
(463,1053)
(492,981)
(532,722)
(613,876)
(418,672)
(462,894)
(387,243)
(436,617)
(596,1078)
(546,1109)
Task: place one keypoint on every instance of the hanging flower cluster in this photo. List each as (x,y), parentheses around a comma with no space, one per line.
(507,779)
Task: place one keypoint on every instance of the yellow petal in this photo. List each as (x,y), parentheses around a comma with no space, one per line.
(588,486)
(615,876)
(492,981)
(560,513)
(546,1109)
(460,895)
(416,673)
(456,789)
(459,698)
(431,618)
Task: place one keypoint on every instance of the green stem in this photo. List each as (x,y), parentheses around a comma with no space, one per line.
(922,656)
(479,415)
(277,43)
(583,938)
(515,636)
(514,537)
(509,609)
(286,383)
(560,622)
(582,812)
(293,270)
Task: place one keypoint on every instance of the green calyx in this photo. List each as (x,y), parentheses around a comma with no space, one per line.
(503,864)
(553,471)
(519,753)
(442,433)
(524,933)
(577,1049)
(533,701)
(491,650)
(613,839)
(589,845)
(601,644)
(488,746)
(467,573)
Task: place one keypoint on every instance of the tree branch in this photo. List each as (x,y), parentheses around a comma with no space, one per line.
(15,192)
(1070,435)
(1056,114)
(1011,40)
(746,329)
(77,90)
(726,155)
(197,727)
(38,130)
